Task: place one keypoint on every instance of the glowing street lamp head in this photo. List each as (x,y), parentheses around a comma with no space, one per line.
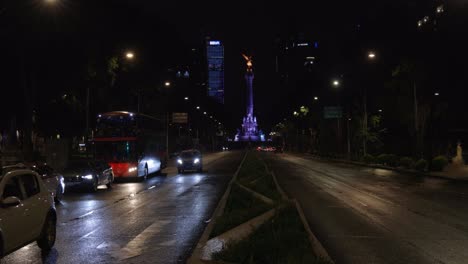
(198,108)
(336,83)
(167,84)
(316,98)
(371,55)
(129,55)
(186,98)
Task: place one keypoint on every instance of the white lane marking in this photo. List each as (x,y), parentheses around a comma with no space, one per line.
(167,243)
(87,235)
(137,245)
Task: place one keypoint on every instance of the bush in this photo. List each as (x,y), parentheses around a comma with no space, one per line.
(406,162)
(421,165)
(439,163)
(388,159)
(368,158)
(393,160)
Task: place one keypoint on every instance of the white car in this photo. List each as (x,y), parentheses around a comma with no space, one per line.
(27,211)
(54,181)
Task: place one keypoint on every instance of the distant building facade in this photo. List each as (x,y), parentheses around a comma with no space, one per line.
(215,61)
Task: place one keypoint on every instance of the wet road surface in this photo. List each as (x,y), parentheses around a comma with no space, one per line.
(366,215)
(156,221)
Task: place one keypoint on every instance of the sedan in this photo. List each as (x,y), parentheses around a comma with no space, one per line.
(27,211)
(88,174)
(189,160)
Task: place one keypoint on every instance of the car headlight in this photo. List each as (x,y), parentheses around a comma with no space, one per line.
(196,161)
(179,161)
(132,169)
(87,177)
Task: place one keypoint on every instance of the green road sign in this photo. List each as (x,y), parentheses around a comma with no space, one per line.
(332,112)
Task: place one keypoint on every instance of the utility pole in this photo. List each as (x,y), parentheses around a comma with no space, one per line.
(364,142)
(87,115)
(167,135)
(348,137)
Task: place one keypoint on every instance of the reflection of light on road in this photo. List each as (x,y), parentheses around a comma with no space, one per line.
(132,195)
(152,187)
(102,187)
(180,179)
(197,178)
(382,172)
(132,187)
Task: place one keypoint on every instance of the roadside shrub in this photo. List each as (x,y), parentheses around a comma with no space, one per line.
(420,165)
(439,163)
(368,158)
(406,162)
(392,160)
(388,159)
(382,158)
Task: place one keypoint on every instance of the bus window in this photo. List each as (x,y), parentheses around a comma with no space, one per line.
(116,151)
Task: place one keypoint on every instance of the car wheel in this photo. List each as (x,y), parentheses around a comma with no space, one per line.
(94,185)
(145,175)
(110,181)
(58,194)
(48,234)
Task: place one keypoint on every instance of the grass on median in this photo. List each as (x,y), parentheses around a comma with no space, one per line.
(241,206)
(254,176)
(280,240)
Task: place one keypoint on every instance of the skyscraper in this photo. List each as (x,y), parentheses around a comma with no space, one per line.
(215,59)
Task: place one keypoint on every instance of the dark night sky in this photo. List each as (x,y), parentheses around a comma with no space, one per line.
(163,31)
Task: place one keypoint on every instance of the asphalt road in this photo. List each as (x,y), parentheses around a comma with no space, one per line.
(156,221)
(365,215)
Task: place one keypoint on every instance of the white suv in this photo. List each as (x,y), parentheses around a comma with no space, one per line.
(27,211)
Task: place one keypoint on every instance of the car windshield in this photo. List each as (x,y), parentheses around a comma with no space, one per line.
(188,154)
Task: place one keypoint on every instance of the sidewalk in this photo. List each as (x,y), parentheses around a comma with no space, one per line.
(451,172)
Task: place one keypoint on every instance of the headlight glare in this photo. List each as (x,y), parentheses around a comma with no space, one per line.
(179,161)
(132,169)
(87,177)
(196,161)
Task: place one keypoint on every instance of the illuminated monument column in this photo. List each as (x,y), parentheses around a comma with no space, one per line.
(249,126)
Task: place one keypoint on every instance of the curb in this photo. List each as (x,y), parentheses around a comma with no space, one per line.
(317,247)
(399,170)
(256,194)
(197,252)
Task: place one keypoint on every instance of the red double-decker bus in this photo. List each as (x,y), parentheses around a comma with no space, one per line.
(133,144)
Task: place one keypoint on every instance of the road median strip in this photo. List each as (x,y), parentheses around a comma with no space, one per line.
(255,222)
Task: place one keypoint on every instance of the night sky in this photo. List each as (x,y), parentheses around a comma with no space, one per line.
(58,39)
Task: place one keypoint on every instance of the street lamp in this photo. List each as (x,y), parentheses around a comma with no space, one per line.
(167,84)
(371,55)
(316,98)
(186,98)
(198,108)
(336,83)
(436,94)
(129,55)
(204,113)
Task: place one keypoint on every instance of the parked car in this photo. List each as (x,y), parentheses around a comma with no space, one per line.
(190,160)
(27,211)
(88,174)
(54,181)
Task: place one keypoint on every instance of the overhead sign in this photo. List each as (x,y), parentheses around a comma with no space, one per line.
(215,43)
(332,112)
(180,118)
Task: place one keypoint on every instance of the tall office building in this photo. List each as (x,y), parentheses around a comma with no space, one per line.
(215,59)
